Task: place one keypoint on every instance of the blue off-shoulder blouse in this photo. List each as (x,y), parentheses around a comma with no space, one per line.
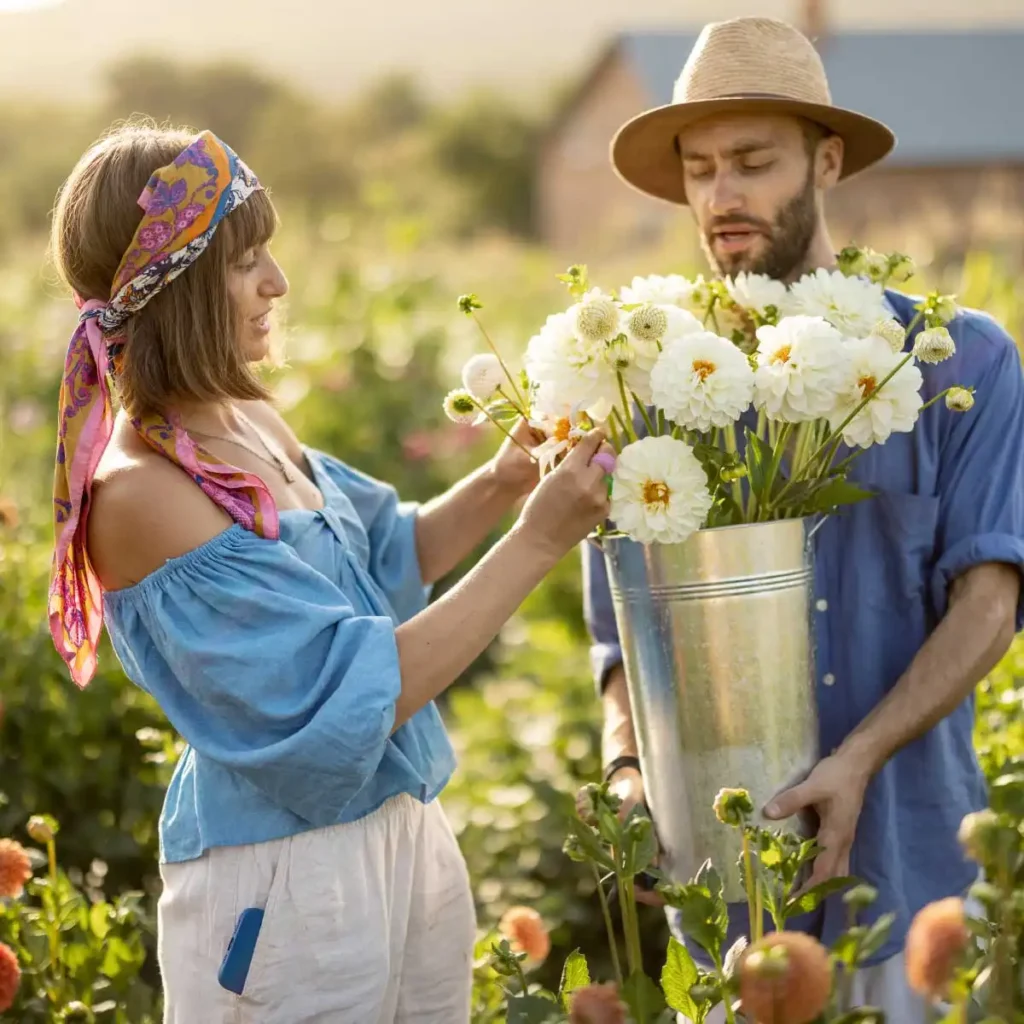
(277,663)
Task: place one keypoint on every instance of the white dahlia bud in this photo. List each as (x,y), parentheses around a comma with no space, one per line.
(934,345)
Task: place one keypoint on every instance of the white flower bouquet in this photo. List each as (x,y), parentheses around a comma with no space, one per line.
(728,401)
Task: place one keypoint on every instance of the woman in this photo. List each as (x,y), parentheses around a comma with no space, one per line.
(273,601)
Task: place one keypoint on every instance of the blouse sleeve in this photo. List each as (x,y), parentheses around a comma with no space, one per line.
(262,664)
(390,526)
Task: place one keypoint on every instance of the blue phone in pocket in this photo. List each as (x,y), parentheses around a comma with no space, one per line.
(234,968)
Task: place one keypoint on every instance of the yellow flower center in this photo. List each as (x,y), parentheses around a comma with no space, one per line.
(703,368)
(562,428)
(782,355)
(656,495)
(868,385)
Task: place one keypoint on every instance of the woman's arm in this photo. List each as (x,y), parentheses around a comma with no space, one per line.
(152,512)
(452,525)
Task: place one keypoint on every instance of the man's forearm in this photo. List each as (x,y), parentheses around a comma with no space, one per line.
(451,526)
(971,639)
(617,738)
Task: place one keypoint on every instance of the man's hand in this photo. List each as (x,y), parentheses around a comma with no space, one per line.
(628,785)
(835,789)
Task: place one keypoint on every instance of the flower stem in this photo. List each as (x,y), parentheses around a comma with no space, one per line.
(630,924)
(932,401)
(736,487)
(627,428)
(651,432)
(497,354)
(606,913)
(627,419)
(614,430)
(730,1015)
(505,431)
(751,884)
(627,902)
(53,924)
(522,977)
(512,402)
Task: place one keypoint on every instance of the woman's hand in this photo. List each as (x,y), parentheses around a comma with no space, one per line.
(570,501)
(516,472)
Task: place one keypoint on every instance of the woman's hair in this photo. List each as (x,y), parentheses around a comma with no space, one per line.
(183,344)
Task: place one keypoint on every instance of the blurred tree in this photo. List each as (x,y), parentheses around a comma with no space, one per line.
(393,105)
(227,98)
(489,148)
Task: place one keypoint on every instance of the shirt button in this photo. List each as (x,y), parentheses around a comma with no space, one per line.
(821,605)
(828,679)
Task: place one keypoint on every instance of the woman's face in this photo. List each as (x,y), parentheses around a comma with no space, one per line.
(254,281)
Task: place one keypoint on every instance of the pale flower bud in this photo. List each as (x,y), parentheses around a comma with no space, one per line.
(892,332)
(460,406)
(648,323)
(482,375)
(959,400)
(901,268)
(877,266)
(597,319)
(934,345)
(619,353)
(978,833)
(732,806)
(944,307)
(41,828)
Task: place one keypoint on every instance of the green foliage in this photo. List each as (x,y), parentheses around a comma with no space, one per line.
(81,957)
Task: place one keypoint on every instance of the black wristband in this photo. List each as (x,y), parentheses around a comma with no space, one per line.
(625,761)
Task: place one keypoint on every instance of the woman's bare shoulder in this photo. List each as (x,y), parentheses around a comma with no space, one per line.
(145,510)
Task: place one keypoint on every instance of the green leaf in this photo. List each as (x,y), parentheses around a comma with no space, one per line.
(639,843)
(759,459)
(591,846)
(678,974)
(575,975)
(838,491)
(699,914)
(643,997)
(813,898)
(99,919)
(876,936)
(532,1009)
(1007,794)
(846,946)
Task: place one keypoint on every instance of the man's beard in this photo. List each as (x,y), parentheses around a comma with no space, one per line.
(788,239)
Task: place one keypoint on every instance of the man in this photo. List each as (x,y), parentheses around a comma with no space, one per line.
(918,590)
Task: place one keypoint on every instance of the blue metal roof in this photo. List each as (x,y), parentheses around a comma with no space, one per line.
(949,97)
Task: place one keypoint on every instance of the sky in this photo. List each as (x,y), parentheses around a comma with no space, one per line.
(56,48)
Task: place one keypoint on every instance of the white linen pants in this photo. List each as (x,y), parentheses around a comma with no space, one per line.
(366,923)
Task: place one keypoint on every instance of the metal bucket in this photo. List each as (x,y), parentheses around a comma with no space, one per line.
(717,642)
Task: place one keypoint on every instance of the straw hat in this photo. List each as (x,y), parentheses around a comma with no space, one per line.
(749,65)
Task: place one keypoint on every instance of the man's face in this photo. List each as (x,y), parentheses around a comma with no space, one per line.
(751,181)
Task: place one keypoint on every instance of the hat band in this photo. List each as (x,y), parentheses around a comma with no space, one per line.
(823,102)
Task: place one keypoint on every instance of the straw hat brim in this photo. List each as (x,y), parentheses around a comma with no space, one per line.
(644,150)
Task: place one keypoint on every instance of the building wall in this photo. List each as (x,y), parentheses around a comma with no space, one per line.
(933,211)
(585,211)
(580,200)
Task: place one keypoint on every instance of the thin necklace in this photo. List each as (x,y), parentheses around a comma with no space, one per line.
(276,459)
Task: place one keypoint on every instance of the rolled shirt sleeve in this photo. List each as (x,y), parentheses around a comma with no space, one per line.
(262,664)
(981,480)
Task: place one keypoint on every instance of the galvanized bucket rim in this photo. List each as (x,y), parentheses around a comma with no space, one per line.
(815,517)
